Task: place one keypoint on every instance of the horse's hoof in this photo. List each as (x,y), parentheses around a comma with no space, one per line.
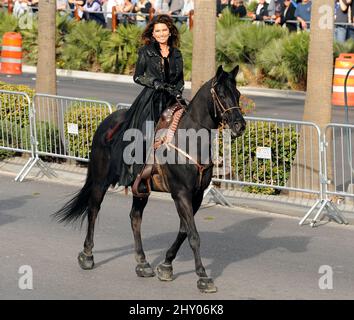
(85,262)
(206,285)
(165,272)
(144,270)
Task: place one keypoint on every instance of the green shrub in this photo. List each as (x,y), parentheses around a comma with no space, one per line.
(13,136)
(87,119)
(187,50)
(8,23)
(296,51)
(227,20)
(120,50)
(345,47)
(252,5)
(83,46)
(30,43)
(14,119)
(248,168)
(4,154)
(15,108)
(283,62)
(48,138)
(241,42)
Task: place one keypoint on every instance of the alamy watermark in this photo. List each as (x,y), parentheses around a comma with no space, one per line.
(196,143)
(326,280)
(25,282)
(326,20)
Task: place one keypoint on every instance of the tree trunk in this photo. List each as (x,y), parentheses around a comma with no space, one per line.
(203,61)
(46,75)
(318,106)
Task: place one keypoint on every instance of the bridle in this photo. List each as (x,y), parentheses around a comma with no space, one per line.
(218,105)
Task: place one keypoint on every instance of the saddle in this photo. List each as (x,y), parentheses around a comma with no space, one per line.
(153,172)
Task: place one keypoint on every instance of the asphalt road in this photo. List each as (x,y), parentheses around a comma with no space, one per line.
(113,92)
(251,255)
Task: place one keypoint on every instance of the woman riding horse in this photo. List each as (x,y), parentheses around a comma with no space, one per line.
(160,70)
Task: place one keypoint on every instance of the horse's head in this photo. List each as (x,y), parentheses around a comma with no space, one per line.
(226,100)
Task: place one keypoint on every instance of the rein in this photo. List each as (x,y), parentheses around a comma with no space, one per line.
(218,105)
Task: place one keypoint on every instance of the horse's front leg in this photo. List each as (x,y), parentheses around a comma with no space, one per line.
(143,268)
(165,269)
(184,205)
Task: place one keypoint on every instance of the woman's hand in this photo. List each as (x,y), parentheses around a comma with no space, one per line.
(158,85)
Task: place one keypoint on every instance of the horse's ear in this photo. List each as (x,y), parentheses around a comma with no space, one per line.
(235,71)
(219,72)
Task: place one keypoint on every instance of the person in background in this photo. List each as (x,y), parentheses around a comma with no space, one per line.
(93,11)
(123,12)
(237,8)
(288,14)
(261,12)
(340,31)
(176,7)
(187,8)
(221,5)
(347,7)
(20,8)
(303,14)
(33,5)
(76,3)
(161,6)
(62,6)
(275,8)
(109,8)
(142,9)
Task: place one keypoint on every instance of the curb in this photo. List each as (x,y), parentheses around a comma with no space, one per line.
(254,91)
(273,93)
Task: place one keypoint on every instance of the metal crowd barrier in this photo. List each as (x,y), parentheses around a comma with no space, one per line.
(257,158)
(63,128)
(15,122)
(266,156)
(337,174)
(339,168)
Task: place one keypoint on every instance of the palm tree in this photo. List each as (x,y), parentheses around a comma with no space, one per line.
(318,106)
(203,60)
(320,64)
(46,82)
(46,66)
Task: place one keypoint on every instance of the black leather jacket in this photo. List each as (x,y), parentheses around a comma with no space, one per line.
(150,67)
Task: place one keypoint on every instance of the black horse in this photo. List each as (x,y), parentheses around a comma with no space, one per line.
(216,102)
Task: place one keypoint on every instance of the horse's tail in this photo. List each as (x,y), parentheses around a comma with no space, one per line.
(77,207)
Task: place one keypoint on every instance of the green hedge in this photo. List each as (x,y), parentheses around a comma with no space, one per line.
(87,119)
(248,168)
(12,107)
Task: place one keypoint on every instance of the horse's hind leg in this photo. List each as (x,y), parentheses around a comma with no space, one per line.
(165,269)
(143,269)
(85,257)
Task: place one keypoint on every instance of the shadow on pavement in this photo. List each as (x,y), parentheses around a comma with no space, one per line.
(235,243)
(10,204)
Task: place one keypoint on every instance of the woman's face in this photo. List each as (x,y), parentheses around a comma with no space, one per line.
(161,33)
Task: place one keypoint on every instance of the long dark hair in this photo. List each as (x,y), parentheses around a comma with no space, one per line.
(173,40)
